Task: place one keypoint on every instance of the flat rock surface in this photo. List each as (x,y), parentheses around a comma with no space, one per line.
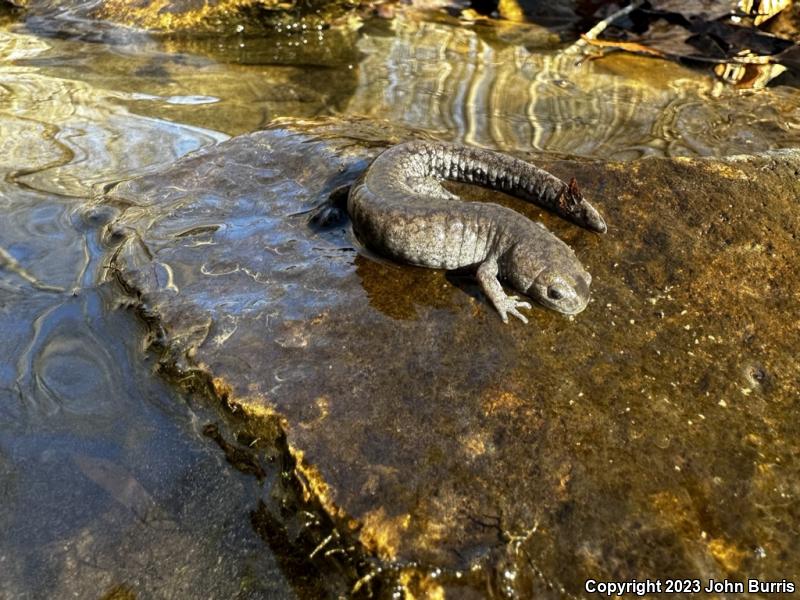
(654,435)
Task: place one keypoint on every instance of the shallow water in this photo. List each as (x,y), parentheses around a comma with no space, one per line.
(108,484)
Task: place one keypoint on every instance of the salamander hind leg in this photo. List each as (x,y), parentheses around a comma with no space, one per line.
(505,305)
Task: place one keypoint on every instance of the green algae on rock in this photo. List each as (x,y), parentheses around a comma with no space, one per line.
(655,434)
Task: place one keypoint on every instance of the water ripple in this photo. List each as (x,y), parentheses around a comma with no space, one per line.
(66,136)
(450,79)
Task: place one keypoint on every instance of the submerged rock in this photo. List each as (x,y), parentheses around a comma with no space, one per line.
(653,435)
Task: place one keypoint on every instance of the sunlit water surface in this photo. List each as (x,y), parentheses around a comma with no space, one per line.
(107,483)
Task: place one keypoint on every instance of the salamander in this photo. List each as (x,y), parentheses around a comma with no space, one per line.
(400,209)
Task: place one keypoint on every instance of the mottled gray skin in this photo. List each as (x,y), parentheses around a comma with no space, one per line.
(400,209)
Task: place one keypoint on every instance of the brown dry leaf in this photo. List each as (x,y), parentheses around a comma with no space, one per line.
(627,46)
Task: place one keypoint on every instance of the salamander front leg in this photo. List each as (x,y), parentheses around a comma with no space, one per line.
(487,277)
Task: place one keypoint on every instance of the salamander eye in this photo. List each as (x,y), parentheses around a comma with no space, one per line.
(556,292)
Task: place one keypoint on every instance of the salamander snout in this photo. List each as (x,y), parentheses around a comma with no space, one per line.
(565,292)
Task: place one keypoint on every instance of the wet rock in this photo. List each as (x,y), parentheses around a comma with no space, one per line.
(197,16)
(653,435)
(562,16)
(226,17)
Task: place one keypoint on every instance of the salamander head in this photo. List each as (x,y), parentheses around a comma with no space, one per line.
(564,291)
(550,274)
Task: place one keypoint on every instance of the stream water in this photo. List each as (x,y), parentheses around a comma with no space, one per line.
(108,487)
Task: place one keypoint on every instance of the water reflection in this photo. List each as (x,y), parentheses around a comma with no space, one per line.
(95,139)
(233,85)
(480,89)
